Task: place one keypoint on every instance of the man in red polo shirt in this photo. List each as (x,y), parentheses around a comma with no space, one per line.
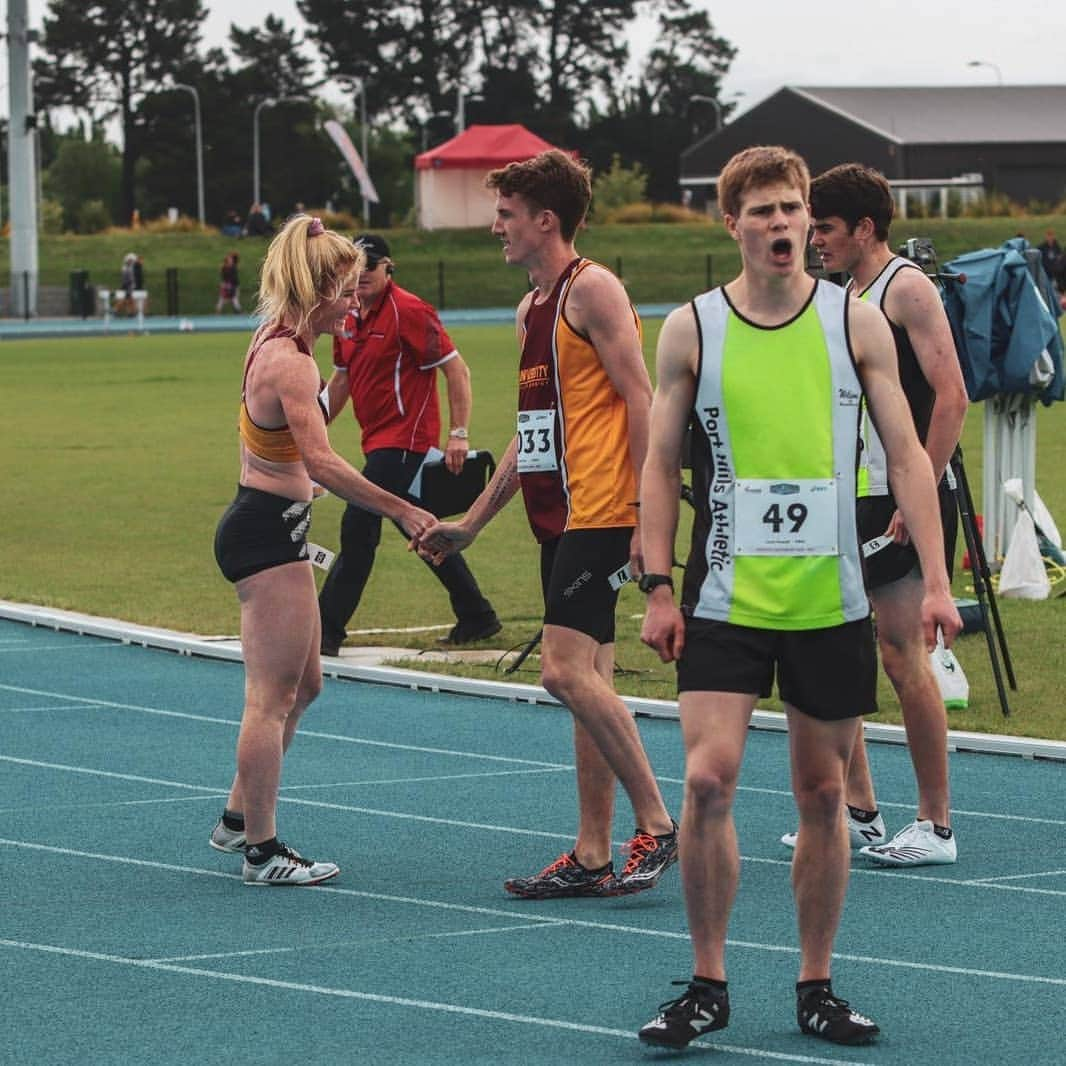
(387,363)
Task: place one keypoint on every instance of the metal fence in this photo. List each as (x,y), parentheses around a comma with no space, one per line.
(449,284)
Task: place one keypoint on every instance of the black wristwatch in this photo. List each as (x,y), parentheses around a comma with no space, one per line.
(648,582)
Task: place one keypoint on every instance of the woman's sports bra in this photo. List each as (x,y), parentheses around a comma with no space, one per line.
(274,445)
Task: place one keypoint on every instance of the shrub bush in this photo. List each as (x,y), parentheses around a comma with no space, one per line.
(991,205)
(184,224)
(618,187)
(628,214)
(676,213)
(93,217)
(51,216)
(342,221)
(637,214)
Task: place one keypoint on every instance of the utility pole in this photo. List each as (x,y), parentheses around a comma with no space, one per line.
(21,144)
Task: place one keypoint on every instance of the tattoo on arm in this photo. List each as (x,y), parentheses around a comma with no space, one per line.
(505,483)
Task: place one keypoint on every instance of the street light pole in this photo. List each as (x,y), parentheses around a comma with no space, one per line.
(460,107)
(268,102)
(986,63)
(199,150)
(699,98)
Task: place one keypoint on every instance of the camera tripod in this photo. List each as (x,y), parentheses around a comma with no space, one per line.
(982,584)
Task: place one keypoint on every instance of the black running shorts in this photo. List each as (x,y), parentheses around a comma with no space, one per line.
(260,530)
(895,561)
(829,674)
(580,574)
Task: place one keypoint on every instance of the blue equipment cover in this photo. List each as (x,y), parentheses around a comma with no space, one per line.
(1002,321)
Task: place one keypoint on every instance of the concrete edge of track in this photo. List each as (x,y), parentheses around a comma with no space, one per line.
(228,648)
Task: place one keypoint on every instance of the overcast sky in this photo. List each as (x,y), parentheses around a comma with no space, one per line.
(918,42)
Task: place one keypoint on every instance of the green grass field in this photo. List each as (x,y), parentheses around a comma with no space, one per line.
(462,268)
(122,454)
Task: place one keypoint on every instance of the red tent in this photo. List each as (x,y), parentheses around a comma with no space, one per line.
(450,179)
(483,147)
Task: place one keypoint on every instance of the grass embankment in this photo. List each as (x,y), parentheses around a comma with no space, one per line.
(463,268)
(122,453)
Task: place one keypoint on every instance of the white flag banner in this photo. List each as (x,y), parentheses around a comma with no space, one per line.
(347,149)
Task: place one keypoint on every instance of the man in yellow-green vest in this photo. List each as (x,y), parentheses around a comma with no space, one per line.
(771,370)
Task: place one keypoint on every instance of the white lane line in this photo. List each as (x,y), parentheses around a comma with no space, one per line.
(543,919)
(397,1001)
(435,777)
(53,707)
(361,942)
(104,804)
(235,724)
(41,765)
(1016,877)
(517,830)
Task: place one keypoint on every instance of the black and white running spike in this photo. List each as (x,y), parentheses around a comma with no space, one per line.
(700,1009)
(821,1014)
(288,867)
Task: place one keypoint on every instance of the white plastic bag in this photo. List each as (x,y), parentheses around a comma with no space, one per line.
(954,688)
(1042,518)
(1024,576)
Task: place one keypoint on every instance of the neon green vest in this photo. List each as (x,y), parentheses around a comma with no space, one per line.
(777,410)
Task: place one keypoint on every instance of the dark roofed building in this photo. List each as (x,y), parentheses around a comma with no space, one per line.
(1008,139)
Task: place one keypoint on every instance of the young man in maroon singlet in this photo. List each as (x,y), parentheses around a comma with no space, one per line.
(583,401)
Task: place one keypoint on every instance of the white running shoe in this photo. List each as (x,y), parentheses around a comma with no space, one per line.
(860,834)
(288,867)
(916,844)
(225,839)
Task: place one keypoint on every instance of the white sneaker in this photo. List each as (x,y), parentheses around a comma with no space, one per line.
(225,839)
(914,845)
(288,867)
(860,834)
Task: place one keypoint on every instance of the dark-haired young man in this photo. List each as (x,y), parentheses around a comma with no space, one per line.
(852,208)
(387,362)
(770,371)
(583,401)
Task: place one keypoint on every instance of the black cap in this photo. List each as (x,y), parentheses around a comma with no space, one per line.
(373,246)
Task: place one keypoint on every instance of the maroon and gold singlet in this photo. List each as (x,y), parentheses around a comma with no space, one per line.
(573,438)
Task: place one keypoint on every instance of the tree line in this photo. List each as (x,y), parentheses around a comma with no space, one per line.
(559,67)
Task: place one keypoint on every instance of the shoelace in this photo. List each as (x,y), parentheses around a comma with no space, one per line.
(911,836)
(293,856)
(688,994)
(639,848)
(829,1000)
(560,863)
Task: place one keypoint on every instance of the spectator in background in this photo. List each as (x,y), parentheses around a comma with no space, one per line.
(1051,256)
(231,225)
(387,360)
(229,283)
(127,283)
(258,225)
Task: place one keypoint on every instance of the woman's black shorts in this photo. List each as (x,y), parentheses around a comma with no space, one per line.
(260,530)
